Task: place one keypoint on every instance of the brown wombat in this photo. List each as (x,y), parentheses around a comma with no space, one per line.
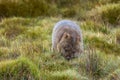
(67,39)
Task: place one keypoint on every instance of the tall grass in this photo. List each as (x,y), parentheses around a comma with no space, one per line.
(34,42)
(105,14)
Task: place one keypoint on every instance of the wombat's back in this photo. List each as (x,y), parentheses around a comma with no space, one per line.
(69,23)
(59,29)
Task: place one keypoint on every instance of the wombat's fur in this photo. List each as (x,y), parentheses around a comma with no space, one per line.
(67,39)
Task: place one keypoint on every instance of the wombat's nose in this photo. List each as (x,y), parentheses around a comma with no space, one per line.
(68,58)
(73,51)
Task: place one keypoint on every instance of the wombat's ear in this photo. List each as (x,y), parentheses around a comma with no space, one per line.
(66,35)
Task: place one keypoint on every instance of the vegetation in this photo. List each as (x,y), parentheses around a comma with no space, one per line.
(18,69)
(25,40)
(105,14)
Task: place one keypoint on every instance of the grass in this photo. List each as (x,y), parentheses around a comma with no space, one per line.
(25,40)
(21,68)
(69,8)
(105,13)
(29,51)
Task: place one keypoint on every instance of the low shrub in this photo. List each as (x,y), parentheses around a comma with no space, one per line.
(12,27)
(97,43)
(95,27)
(92,64)
(25,8)
(18,69)
(109,14)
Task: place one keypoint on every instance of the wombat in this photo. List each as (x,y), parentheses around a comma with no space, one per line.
(67,39)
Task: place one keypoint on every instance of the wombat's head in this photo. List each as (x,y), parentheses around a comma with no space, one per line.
(69,46)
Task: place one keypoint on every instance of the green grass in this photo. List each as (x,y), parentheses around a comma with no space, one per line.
(18,69)
(25,40)
(26,52)
(64,8)
(108,14)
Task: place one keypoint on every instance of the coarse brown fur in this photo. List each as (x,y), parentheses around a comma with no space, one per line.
(67,40)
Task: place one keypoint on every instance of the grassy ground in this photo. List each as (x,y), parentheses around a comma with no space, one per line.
(25,40)
(25,51)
